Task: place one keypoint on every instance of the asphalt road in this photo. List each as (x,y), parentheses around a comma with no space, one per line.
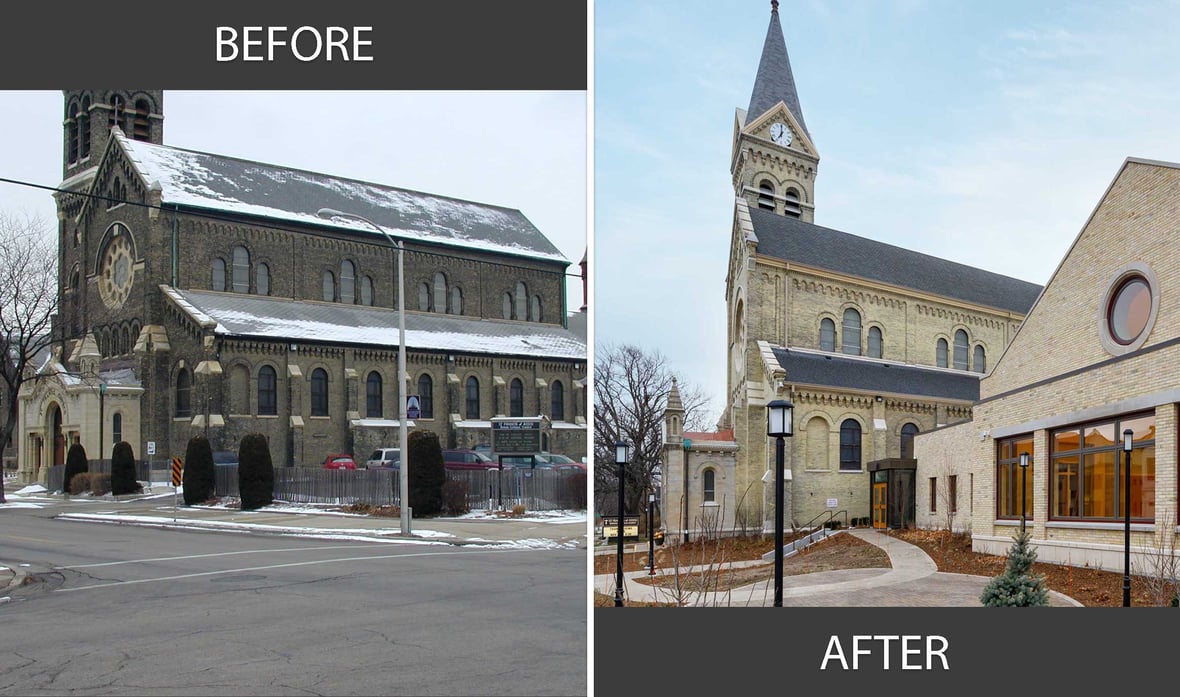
(133,611)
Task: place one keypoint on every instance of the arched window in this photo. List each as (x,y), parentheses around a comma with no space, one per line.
(347,282)
(438,300)
(851,330)
(979,360)
(268,391)
(319,392)
(875,348)
(508,306)
(709,486)
(908,431)
(940,354)
(426,395)
(262,279)
(521,305)
(535,309)
(117,428)
(118,112)
(241,270)
(366,290)
(184,387)
(472,411)
(791,205)
(72,132)
(84,128)
(219,274)
(960,350)
(850,445)
(424,296)
(827,335)
(374,404)
(516,398)
(456,301)
(557,401)
(140,127)
(329,286)
(766,195)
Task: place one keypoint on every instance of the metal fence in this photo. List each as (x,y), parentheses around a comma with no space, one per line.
(535,489)
(311,485)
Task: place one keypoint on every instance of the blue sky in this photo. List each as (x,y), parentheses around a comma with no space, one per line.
(982,132)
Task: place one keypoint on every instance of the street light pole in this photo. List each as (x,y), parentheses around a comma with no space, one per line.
(621,461)
(1023,471)
(1127,436)
(651,534)
(402,436)
(779,425)
(102,393)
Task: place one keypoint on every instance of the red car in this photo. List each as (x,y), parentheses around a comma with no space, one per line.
(339,462)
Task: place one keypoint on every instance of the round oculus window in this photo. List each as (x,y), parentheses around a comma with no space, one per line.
(1129,312)
(115,274)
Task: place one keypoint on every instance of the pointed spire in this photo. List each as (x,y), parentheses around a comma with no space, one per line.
(674,403)
(774,82)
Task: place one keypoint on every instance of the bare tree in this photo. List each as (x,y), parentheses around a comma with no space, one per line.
(28,302)
(631,387)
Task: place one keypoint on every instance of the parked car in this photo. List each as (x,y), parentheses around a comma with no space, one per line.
(339,462)
(384,459)
(468,460)
(542,461)
(225,458)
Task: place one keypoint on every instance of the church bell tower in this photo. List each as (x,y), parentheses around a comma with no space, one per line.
(90,115)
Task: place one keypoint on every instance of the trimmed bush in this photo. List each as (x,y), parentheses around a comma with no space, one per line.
(123,479)
(454,497)
(256,474)
(197,473)
(79,483)
(427,474)
(100,483)
(76,464)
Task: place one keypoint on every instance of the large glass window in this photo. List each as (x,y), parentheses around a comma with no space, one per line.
(850,445)
(268,391)
(851,331)
(374,404)
(516,398)
(960,350)
(472,398)
(827,335)
(319,392)
(1088,470)
(426,396)
(1010,480)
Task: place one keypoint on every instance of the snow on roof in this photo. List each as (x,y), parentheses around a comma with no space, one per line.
(254,316)
(203,180)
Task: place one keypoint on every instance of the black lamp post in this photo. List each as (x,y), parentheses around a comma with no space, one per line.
(1023,473)
(1127,435)
(779,423)
(621,461)
(651,534)
(102,393)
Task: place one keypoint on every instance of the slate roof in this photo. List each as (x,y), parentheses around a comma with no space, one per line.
(791,239)
(774,81)
(875,376)
(216,182)
(253,316)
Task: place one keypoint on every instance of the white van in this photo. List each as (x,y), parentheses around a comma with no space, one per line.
(384,458)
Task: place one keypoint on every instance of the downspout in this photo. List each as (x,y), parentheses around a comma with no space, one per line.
(175,261)
(565,318)
(684,488)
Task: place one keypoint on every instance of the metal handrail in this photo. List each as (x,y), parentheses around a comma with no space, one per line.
(831,515)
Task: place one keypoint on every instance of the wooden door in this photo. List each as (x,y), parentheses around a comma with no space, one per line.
(879,510)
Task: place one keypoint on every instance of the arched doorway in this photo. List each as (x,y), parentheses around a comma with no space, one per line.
(59,440)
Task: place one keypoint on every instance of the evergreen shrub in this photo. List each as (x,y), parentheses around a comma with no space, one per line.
(75,464)
(427,474)
(197,473)
(1017,587)
(123,479)
(256,475)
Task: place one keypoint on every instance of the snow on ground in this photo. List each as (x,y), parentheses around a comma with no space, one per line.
(531,516)
(379,534)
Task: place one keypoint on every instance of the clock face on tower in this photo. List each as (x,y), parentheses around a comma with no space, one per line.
(780,134)
(115,275)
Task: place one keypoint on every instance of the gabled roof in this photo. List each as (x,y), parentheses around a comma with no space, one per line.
(867,375)
(774,81)
(216,182)
(259,317)
(792,239)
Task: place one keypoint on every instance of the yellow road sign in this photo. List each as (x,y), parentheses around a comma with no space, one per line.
(177,466)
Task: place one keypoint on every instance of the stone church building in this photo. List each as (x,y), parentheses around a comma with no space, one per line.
(872,343)
(201,293)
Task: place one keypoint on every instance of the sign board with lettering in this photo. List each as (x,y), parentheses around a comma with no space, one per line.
(516,437)
(832,503)
(151,447)
(610,527)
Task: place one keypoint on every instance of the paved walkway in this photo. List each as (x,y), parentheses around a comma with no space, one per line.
(912,581)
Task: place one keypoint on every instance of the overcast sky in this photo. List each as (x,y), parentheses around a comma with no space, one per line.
(981,132)
(523,150)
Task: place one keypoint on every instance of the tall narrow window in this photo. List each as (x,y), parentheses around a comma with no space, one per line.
(184,386)
(791,205)
(456,307)
(329,286)
(827,335)
(1014,488)
(426,395)
(521,304)
(117,428)
(934,494)
(535,309)
(472,411)
(140,126)
(439,296)
(366,290)
(557,401)
(908,431)
(268,391)
(709,486)
(875,348)
(952,492)
(766,195)
(72,132)
(319,392)
(507,306)
(940,354)
(84,128)
(850,445)
(262,279)
(960,350)
(219,274)
(347,282)
(424,296)
(516,398)
(979,360)
(241,270)
(851,331)
(374,404)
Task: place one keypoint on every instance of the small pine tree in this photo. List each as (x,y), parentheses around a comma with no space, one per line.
(256,475)
(1016,587)
(198,477)
(427,473)
(75,464)
(123,479)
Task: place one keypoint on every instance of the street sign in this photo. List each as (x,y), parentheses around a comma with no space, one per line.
(151,447)
(413,407)
(516,437)
(610,528)
(177,467)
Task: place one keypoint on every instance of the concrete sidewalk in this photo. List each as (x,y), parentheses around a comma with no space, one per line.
(912,581)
